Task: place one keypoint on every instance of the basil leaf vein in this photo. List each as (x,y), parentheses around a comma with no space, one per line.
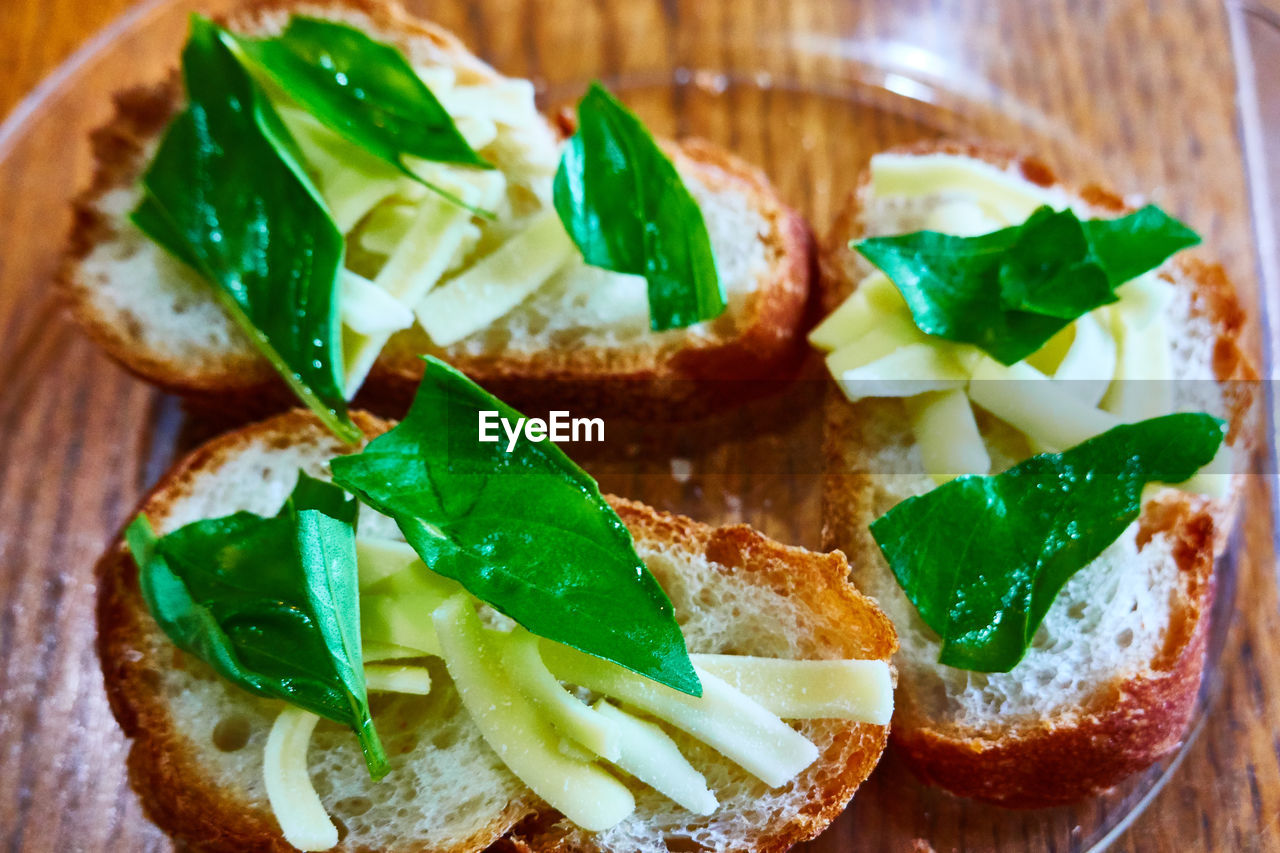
(1010,291)
(227,194)
(527,531)
(983,558)
(365,91)
(272,604)
(625,207)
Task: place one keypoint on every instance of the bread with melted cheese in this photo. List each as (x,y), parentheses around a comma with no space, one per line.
(196,753)
(1110,681)
(583,337)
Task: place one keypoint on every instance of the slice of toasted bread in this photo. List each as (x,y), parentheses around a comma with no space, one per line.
(1110,681)
(196,757)
(575,338)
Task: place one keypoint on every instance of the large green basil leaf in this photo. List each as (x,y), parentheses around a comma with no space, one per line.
(364,90)
(1009,291)
(272,604)
(227,194)
(624,205)
(526,531)
(982,558)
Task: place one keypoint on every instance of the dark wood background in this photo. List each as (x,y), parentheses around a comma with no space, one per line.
(1139,95)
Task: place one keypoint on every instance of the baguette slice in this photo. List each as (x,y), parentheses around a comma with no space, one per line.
(580,340)
(196,755)
(1109,684)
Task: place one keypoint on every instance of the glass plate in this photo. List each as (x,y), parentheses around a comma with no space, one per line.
(806,90)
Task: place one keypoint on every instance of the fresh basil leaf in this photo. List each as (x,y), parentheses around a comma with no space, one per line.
(1049,270)
(365,91)
(1131,245)
(526,531)
(272,604)
(982,558)
(624,205)
(1009,291)
(226,193)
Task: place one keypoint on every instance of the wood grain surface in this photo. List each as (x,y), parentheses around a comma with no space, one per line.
(1139,95)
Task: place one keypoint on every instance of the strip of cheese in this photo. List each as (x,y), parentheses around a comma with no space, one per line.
(403,621)
(1143,386)
(350,179)
(883,295)
(723,718)
(509,101)
(863,311)
(850,321)
(905,372)
(571,716)
(372,650)
(414,580)
(479,132)
(1089,366)
(386,226)
(438,78)
(378,559)
(433,238)
(1005,197)
(857,690)
(388,678)
(1049,357)
(891,332)
(516,730)
(1146,298)
(368,309)
(1028,400)
(945,429)
(497,283)
(427,250)
(396,610)
(350,194)
(649,754)
(570,748)
(293,799)
(961,217)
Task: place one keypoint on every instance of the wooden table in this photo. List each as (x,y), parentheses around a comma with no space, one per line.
(1170,131)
